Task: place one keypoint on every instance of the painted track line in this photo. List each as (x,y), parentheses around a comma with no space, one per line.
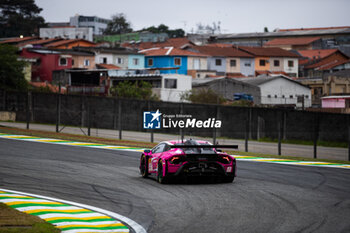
(68,216)
(125,148)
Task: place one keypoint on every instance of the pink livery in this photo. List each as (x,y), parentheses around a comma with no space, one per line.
(188,158)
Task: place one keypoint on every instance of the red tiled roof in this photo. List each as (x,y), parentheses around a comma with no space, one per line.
(220,45)
(221,51)
(64,42)
(292,41)
(235,75)
(170,51)
(317,53)
(328,65)
(307,29)
(17,40)
(268,52)
(108,66)
(38,42)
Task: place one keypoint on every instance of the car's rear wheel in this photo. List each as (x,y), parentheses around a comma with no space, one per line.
(160,178)
(144,167)
(228,179)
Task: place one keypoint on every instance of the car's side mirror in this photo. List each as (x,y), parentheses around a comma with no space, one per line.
(147,151)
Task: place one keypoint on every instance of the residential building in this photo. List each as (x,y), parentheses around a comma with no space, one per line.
(273,60)
(120,57)
(301,43)
(69,32)
(96,23)
(331,37)
(227,60)
(317,63)
(69,44)
(47,61)
(170,60)
(279,90)
(317,89)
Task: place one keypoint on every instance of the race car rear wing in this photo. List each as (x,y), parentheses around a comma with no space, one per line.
(205,146)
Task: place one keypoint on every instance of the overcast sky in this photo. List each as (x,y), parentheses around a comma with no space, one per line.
(235,15)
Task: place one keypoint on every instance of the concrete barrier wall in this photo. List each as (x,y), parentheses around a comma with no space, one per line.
(103,112)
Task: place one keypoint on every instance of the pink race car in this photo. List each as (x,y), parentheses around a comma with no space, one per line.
(188,158)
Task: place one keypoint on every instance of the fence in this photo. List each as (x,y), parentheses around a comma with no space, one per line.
(125,114)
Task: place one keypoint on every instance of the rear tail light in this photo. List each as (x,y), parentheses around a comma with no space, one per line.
(175,160)
(225,159)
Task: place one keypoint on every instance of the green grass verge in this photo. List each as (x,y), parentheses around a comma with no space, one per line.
(82,138)
(14,221)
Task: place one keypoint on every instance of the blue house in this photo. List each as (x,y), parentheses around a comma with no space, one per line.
(170,60)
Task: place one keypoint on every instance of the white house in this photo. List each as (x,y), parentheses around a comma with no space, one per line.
(85,33)
(280,90)
(174,86)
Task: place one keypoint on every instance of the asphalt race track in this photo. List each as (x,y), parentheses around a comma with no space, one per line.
(263,198)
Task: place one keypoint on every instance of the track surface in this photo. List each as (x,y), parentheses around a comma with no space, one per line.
(263,198)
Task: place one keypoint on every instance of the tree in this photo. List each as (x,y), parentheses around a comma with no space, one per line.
(118,25)
(165,29)
(136,90)
(19,17)
(11,69)
(203,96)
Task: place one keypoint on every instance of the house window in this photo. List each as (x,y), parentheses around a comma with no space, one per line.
(86,62)
(72,62)
(268,96)
(247,64)
(177,61)
(232,63)
(103,60)
(275,96)
(276,62)
(262,62)
(135,61)
(170,83)
(283,96)
(291,96)
(218,62)
(63,61)
(119,60)
(290,63)
(150,61)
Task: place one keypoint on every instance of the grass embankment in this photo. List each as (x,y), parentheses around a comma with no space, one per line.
(82,138)
(309,143)
(14,221)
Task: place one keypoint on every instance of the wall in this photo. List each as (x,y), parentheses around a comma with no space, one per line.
(79,62)
(291,70)
(141,64)
(247,70)
(276,68)
(67,33)
(212,64)
(100,56)
(233,69)
(104,114)
(333,103)
(167,62)
(203,64)
(184,84)
(259,67)
(125,60)
(283,89)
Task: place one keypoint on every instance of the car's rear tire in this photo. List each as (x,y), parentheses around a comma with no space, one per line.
(228,179)
(160,178)
(144,166)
